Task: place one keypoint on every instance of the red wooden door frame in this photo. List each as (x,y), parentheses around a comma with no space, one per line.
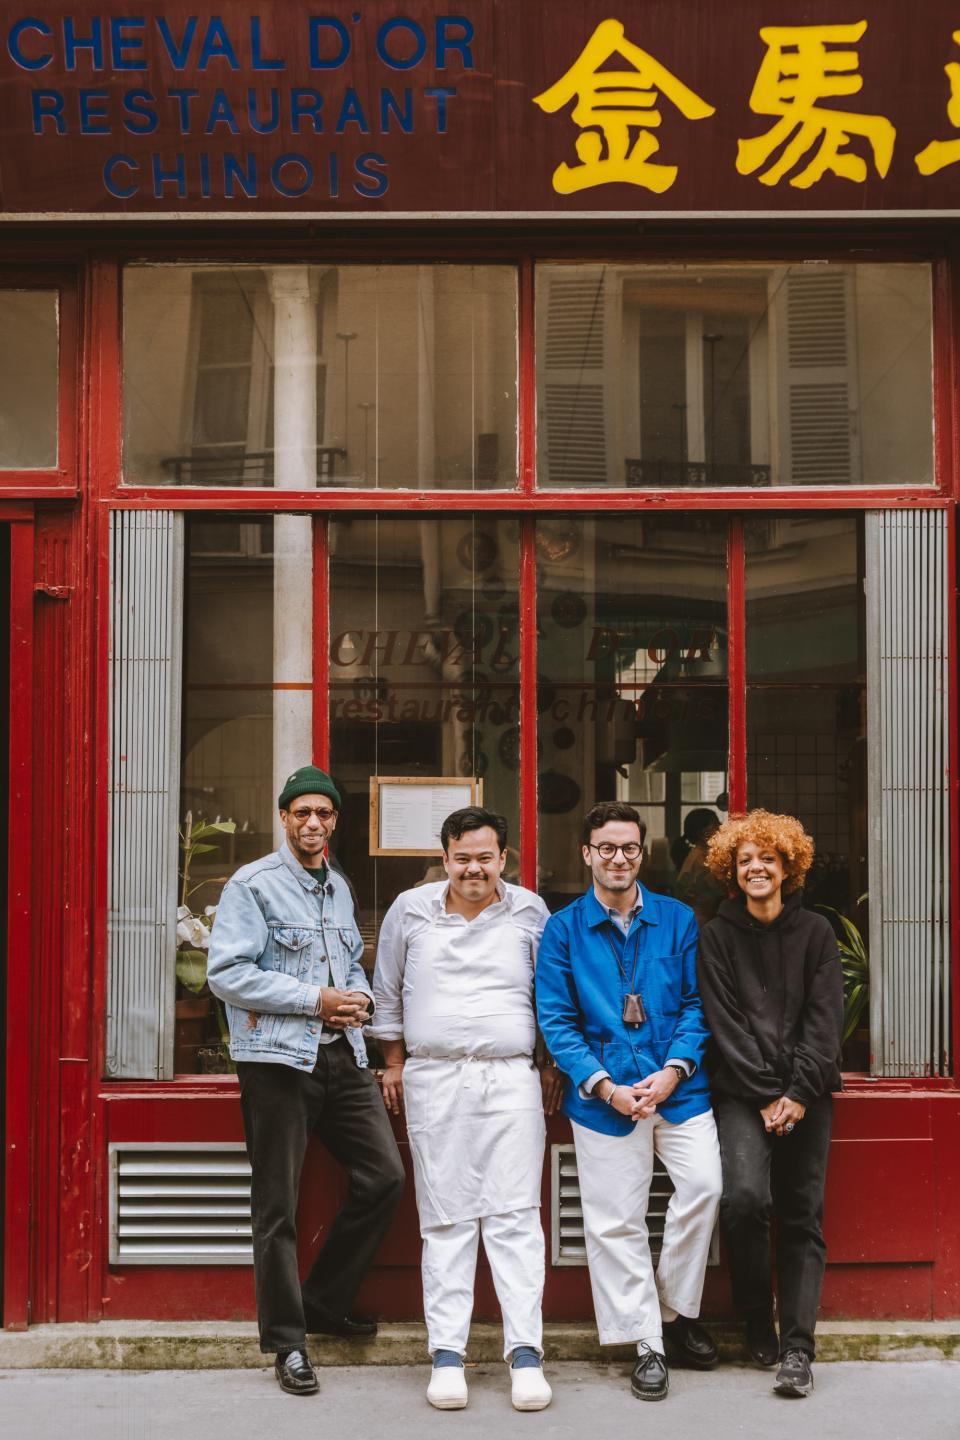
(20,999)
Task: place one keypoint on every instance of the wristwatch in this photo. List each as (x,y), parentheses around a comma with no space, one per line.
(679,1071)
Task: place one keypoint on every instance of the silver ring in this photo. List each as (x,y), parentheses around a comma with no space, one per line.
(789,1126)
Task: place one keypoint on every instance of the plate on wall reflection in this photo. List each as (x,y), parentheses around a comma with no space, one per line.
(557,540)
(557,794)
(476,550)
(568,610)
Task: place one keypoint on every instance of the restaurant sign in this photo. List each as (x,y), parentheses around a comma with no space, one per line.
(466,107)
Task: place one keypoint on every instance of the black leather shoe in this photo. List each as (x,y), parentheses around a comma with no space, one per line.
(687,1343)
(349,1327)
(761,1339)
(650,1380)
(795,1377)
(295,1374)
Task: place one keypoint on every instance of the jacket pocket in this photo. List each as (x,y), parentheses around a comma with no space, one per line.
(293,949)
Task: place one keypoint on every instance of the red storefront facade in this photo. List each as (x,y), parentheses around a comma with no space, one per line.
(583,534)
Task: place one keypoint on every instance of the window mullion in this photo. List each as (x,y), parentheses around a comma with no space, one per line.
(321,642)
(528,703)
(736,667)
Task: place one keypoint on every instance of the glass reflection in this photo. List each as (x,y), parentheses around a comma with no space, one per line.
(632,655)
(806,694)
(29,357)
(301,376)
(722,375)
(423,677)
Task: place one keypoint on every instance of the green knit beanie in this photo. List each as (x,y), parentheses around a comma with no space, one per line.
(308,780)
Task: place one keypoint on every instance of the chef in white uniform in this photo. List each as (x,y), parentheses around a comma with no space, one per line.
(455,1018)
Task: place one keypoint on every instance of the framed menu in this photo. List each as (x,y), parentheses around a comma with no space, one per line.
(406,812)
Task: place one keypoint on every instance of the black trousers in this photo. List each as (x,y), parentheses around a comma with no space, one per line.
(282,1108)
(783,1174)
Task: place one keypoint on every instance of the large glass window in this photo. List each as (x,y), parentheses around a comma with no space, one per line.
(755,375)
(371,376)
(632,687)
(29,331)
(424,677)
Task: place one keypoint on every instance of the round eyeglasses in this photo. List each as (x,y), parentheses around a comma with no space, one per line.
(606,850)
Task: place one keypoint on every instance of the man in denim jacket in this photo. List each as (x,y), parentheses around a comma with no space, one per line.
(285,958)
(619,1010)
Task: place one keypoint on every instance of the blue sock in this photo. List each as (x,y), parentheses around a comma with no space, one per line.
(445,1357)
(525,1357)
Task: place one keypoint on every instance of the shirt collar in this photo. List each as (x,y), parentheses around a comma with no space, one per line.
(305,877)
(646,908)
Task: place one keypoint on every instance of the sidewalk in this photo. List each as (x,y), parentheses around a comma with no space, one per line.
(910,1400)
(224,1345)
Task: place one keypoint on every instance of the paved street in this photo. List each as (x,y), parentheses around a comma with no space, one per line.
(904,1400)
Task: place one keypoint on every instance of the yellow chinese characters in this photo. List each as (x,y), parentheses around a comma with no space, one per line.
(615,112)
(945,152)
(802,66)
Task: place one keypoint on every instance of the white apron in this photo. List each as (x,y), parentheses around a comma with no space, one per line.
(472,1095)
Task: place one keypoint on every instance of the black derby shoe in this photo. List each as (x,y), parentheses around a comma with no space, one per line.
(650,1380)
(689,1344)
(795,1377)
(295,1374)
(763,1347)
(349,1327)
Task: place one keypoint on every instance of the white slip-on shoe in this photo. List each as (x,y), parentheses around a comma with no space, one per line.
(529,1388)
(448,1387)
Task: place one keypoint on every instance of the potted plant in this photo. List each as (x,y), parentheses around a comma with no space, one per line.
(195,1004)
(855,964)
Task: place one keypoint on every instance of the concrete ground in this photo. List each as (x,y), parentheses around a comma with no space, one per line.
(895,1400)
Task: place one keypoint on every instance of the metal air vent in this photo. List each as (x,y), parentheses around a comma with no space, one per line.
(186,1204)
(567,1243)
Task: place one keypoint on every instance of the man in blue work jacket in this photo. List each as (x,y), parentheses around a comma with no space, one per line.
(619,1010)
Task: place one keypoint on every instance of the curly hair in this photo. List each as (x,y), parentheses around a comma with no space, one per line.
(782,833)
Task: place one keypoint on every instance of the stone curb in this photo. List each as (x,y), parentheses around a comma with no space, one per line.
(232,1345)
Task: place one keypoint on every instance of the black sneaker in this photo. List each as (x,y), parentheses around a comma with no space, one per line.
(763,1346)
(650,1380)
(795,1376)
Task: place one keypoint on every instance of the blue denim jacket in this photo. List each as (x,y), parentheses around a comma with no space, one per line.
(580,1006)
(274,926)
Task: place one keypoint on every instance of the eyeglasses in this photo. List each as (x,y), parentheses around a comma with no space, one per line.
(305,811)
(606,850)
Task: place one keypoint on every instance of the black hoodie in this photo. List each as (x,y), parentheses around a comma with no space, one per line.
(773,997)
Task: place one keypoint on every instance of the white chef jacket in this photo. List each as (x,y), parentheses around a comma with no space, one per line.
(460,995)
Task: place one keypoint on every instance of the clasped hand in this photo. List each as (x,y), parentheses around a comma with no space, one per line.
(343,1009)
(780,1114)
(640,1101)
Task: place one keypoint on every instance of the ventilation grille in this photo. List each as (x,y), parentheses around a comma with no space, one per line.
(180,1205)
(568,1247)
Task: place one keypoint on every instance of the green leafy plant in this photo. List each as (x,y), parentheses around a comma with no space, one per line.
(855,964)
(193,930)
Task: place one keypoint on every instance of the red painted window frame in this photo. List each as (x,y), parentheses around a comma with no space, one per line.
(499,245)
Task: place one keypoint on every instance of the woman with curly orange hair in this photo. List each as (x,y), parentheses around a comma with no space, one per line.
(772,990)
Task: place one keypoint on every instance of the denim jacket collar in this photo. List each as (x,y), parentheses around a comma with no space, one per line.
(293,865)
(596,913)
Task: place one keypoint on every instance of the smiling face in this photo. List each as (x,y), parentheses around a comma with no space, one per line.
(474,864)
(308,825)
(760,873)
(618,873)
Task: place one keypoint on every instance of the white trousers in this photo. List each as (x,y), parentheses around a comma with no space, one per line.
(515,1249)
(615,1173)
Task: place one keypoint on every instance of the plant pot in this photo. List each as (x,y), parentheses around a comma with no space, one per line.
(213,1060)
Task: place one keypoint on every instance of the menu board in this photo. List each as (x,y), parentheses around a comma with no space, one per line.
(406,813)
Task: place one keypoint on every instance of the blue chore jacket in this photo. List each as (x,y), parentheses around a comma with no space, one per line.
(580,994)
